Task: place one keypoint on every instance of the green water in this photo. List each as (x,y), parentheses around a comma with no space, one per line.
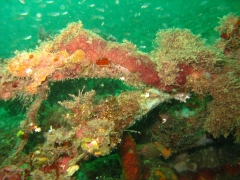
(137,21)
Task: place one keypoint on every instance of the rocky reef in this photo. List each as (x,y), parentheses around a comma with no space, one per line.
(184,94)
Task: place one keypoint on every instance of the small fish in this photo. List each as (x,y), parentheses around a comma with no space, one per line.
(159,8)
(37,19)
(37,1)
(17,18)
(28,37)
(49,2)
(42,5)
(98,17)
(24,13)
(145,5)
(53,14)
(64,13)
(142,47)
(100,9)
(22,1)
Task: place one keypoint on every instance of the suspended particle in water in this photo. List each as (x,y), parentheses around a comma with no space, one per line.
(62,7)
(39,15)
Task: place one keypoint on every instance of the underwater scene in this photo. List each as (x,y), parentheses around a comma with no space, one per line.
(120,90)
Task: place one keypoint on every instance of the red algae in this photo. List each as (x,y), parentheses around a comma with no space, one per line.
(31,56)
(226,171)
(181,78)
(185,70)
(131,165)
(121,54)
(103,62)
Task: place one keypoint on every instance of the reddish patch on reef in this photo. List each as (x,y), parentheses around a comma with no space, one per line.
(79,133)
(15,84)
(225,36)
(168,88)
(10,173)
(181,78)
(59,166)
(52,167)
(129,158)
(31,56)
(121,55)
(140,64)
(103,62)
(227,171)
(57,76)
(185,70)
(63,163)
(232,43)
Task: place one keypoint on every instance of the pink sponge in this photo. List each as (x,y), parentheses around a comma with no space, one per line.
(125,55)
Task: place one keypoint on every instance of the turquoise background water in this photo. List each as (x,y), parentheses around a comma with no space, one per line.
(136,20)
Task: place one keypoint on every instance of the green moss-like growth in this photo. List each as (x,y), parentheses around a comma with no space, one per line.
(226,23)
(224,110)
(182,46)
(229,32)
(176,47)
